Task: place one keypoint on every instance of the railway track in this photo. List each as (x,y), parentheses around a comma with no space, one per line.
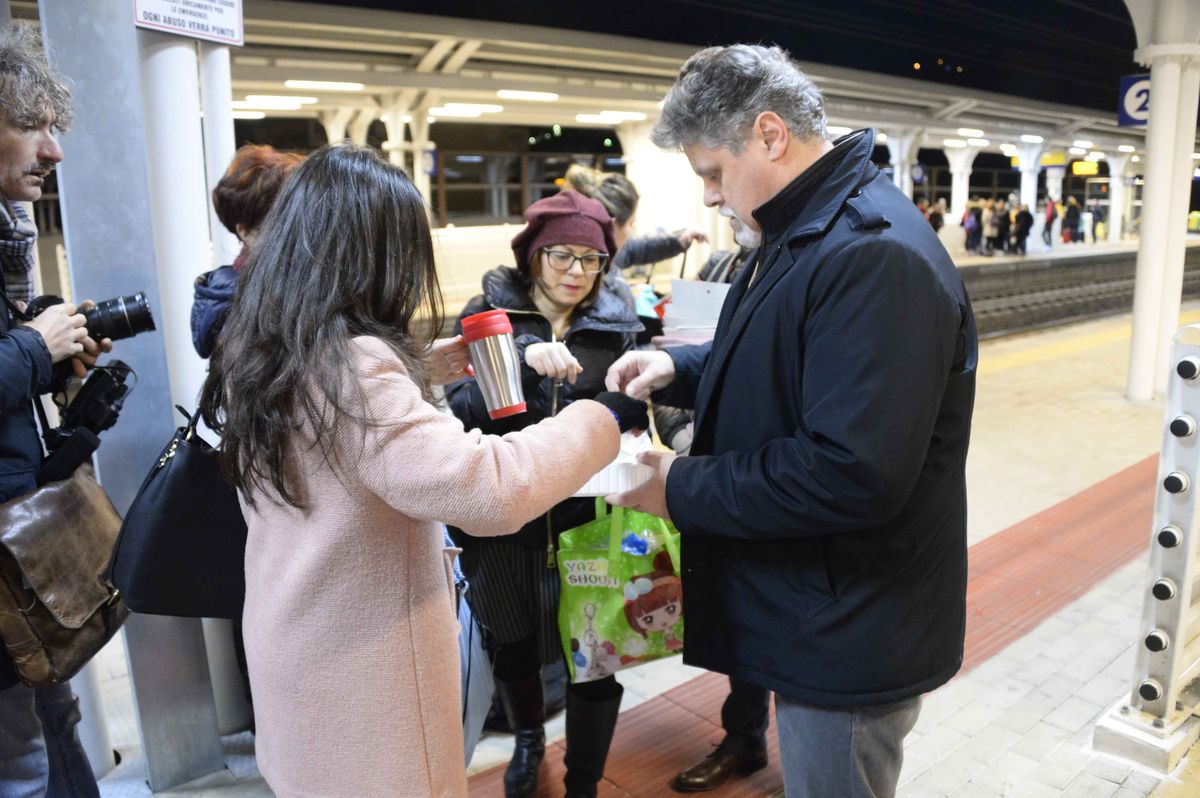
(1017,296)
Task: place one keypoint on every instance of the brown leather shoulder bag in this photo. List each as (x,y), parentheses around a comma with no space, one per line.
(57,607)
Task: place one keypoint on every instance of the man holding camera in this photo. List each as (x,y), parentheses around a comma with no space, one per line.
(823,504)
(40,753)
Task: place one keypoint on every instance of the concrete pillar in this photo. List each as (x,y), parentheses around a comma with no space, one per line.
(1030,157)
(216,96)
(961,160)
(1148,283)
(1054,182)
(902,147)
(178,719)
(1117,163)
(393,121)
(671,195)
(358,126)
(1177,210)
(422,147)
(1168,170)
(335,123)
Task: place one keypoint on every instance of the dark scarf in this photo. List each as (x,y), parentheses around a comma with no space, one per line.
(18,237)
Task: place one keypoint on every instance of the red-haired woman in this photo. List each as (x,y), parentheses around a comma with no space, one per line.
(241,199)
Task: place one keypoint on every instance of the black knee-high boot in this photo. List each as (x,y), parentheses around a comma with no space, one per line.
(591,721)
(525,709)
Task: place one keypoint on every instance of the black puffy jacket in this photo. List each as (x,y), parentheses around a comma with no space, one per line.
(598,335)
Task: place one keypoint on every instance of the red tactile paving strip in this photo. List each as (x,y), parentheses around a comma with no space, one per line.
(1017,579)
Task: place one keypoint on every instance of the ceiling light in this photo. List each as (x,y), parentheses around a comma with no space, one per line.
(261,99)
(1095,156)
(970,132)
(978,142)
(1077,151)
(1030,138)
(1136,158)
(531,96)
(249,114)
(478,108)
(1083,144)
(246,105)
(956,144)
(1008,148)
(442,111)
(625,116)
(323,85)
(836,130)
(880,138)
(1126,147)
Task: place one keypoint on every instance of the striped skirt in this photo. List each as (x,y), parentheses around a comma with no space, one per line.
(514,595)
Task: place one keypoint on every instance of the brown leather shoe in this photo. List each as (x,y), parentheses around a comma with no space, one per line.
(716,769)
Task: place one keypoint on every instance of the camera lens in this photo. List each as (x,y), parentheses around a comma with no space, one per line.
(123,317)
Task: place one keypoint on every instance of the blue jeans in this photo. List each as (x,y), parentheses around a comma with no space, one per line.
(850,753)
(40,753)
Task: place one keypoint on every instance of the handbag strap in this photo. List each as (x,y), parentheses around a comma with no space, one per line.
(616,527)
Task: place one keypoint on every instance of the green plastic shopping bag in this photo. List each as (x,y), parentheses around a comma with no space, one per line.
(622,599)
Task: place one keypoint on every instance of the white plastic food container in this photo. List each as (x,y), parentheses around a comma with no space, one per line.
(624,473)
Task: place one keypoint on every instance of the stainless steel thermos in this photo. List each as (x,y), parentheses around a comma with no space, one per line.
(494,359)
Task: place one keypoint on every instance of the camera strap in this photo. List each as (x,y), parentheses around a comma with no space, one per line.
(16,311)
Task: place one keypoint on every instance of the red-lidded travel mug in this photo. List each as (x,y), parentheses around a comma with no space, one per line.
(494,358)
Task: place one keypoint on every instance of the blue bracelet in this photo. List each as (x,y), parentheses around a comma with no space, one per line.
(614,415)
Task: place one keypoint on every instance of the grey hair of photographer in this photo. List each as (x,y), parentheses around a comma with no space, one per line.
(721,90)
(29,85)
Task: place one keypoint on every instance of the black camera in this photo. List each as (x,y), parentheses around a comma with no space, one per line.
(93,410)
(123,317)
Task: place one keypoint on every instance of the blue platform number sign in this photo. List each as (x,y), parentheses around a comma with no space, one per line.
(1133,109)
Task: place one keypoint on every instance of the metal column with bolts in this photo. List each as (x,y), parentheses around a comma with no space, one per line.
(1155,725)
(110,254)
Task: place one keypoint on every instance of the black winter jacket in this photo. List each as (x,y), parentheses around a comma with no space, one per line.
(212,294)
(823,507)
(598,335)
(24,375)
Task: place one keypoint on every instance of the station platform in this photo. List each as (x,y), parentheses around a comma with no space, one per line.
(1061,482)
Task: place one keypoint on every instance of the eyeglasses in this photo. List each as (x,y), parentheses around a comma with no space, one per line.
(561,261)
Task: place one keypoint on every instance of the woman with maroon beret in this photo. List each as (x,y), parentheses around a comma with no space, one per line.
(569,327)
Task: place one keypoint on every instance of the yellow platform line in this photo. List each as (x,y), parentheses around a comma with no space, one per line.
(1118,332)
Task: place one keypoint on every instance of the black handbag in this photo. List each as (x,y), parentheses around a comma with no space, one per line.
(182,547)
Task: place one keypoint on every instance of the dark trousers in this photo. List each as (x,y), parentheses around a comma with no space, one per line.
(745,716)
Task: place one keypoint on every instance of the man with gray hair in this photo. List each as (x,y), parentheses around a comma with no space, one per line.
(823,504)
(40,753)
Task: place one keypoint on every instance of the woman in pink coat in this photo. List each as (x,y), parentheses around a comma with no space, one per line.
(347,473)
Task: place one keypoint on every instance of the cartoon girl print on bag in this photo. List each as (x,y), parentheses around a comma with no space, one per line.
(654,602)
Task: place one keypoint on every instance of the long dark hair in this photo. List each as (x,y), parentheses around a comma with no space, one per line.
(345,251)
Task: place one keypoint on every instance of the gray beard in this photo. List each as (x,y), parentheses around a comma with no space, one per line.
(743,235)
